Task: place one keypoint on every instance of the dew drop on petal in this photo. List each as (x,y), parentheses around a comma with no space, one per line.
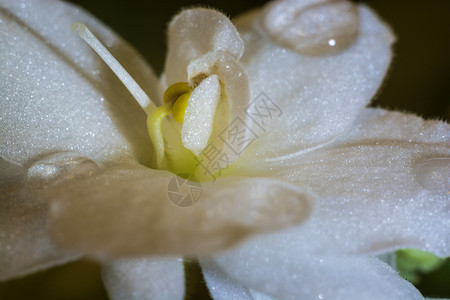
(313,27)
(59,167)
(434,174)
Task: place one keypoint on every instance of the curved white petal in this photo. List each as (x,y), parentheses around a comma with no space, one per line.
(198,121)
(134,210)
(291,274)
(257,295)
(309,100)
(383,187)
(229,138)
(220,285)
(195,32)
(145,279)
(56,93)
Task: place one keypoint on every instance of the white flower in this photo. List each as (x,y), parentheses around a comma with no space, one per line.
(73,140)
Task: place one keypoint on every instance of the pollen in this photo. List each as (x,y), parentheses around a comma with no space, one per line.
(179,107)
(177,95)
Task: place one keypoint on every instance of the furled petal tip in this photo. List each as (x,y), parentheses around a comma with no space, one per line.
(204,49)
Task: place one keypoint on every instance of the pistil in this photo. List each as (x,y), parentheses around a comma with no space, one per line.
(138,94)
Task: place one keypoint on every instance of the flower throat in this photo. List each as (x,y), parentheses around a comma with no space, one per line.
(176,99)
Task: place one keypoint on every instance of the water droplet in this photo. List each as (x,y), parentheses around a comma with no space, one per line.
(313,27)
(59,167)
(434,174)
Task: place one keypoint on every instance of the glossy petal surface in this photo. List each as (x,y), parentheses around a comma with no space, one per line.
(220,285)
(145,279)
(57,95)
(195,32)
(319,96)
(382,187)
(372,196)
(310,276)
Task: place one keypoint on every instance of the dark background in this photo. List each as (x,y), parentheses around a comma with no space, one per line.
(418,82)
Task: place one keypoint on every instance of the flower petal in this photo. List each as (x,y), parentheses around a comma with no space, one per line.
(25,246)
(195,32)
(231,109)
(133,210)
(56,93)
(220,285)
(204,42)
(383,187)
(223,287)
(318,96)
(290,274)
(198,121)
(145,278)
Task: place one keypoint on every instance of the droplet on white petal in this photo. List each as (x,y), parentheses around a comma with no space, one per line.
(313,27)
(434,174)
(59,167)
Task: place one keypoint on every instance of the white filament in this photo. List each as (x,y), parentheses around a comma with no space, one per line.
(140,96)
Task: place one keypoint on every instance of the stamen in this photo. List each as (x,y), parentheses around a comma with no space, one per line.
(178,94)
(175,101)
(141,97)
(179,107)
(154,121)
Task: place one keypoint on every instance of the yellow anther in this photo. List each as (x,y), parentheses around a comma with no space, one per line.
(176,98)
(174,91)
(179,107)
(154,121)
(177,95)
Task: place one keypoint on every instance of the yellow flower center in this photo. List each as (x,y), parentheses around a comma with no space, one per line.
(176,98)
(170,153)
